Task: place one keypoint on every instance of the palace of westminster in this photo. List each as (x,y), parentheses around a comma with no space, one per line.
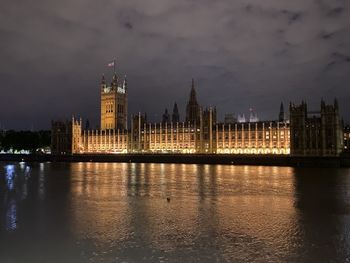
(306,133)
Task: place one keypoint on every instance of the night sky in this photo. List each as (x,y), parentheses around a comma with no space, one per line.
(242,54)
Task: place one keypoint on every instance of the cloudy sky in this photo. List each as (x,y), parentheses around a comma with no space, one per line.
(242,54)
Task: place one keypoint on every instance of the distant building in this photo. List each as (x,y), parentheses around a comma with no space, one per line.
(241,118)
(61,137)
(316,133)
(253,117)
(112,137)
(308,133)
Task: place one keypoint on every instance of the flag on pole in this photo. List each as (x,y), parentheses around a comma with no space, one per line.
(112,64)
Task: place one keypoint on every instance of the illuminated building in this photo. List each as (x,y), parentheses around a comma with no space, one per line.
(200,132)
(253,116)
(114,104)
(69,137)
(210,137)
(241,118)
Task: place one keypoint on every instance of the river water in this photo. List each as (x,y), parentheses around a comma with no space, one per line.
(126,212)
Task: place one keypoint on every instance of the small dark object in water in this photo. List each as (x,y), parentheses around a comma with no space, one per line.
(168,199)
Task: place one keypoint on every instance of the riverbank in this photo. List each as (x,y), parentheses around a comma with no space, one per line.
(270,160)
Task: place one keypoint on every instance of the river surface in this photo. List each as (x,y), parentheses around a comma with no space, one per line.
(118,212)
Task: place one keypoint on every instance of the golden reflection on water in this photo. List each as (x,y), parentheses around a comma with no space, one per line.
(123,201)
(98,212)
(120,212)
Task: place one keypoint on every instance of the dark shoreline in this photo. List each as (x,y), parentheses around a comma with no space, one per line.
(268,160)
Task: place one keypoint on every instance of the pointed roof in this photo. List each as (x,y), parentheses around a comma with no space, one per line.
(175,109)
(336,104)
(114,80)
(193,96)
(125,83)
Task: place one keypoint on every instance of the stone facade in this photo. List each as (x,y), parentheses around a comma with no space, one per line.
(316,133)
(114,104)
(210,137)
(61,137)
(307,133)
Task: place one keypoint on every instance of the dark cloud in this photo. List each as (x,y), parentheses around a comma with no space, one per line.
(336,11)
(332,8)
(327,36)
(338,58)
(128,25)
(242,54)
(292,16)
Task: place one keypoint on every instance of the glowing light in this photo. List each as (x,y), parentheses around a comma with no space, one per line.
(10,176)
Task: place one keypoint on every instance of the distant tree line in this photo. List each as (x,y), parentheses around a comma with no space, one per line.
(24,140)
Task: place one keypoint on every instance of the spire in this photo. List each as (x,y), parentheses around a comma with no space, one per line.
(103,83)
(175,109)
(192,108)
(87,124)
(281,115)
(336,105)
(103,80)
(125,84)
(193,97)
(175,116)
(166,117)
(114,83)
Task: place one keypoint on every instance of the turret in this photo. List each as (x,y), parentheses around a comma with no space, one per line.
(166,117)
(193,97)
(103,82)
(281,115)
(175,116)
(192,108)
(87,124)
(114,83)
(336,105)
(125,84)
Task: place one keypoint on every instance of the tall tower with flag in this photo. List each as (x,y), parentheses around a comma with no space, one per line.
(114,103)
